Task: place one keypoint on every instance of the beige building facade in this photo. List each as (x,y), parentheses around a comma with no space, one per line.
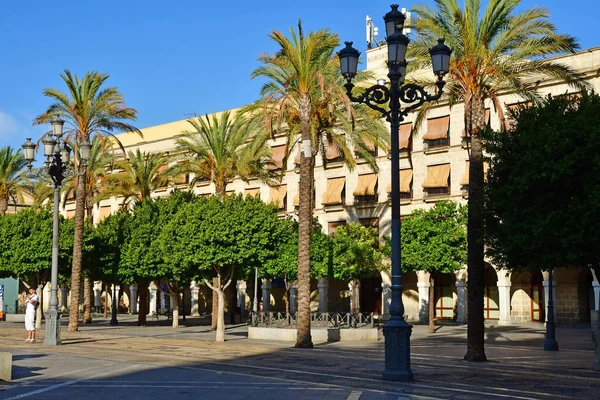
(434,165)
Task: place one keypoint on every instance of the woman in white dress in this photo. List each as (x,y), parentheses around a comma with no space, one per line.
(32,301)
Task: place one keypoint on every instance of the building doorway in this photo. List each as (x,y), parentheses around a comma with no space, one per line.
(444,296)
(370,296)
(491,300)
(537,297)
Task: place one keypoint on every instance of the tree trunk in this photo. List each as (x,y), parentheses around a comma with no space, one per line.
(431,303)
(3,206)
(77,252)
(305,214)
(175,305)
(220,337)
(474,122)
(215,304)
(143,310)
(87,300)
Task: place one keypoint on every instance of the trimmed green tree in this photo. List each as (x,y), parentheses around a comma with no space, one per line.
(221,237)
(285,262)
(356,255)
(435,241)
(543,191)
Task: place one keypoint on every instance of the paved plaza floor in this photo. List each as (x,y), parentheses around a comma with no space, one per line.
(159,362)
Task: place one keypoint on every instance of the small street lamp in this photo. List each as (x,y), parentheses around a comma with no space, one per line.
(396,331)
(58,153)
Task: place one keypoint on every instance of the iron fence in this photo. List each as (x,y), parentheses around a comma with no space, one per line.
(317,320)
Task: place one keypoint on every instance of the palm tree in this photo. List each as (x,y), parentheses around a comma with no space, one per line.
(221,148)
(41,191)
(99,159)
(495,51)
(12,177)
(88,110)
(304,92)
(139,175)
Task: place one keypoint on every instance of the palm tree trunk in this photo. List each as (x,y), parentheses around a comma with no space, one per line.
(305,214)
(143,309)
(77,251)
(475,120)
(431,303)
(87,300)
(3,206)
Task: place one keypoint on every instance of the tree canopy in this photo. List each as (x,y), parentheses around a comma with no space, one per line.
(435,239)
(356,252)
(543,191)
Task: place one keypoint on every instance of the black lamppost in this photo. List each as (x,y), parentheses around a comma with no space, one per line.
(56,166)
(113,310)
(550,343)
(396,331)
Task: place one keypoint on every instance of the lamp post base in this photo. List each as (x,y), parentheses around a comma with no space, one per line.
(397,351)
(52,328)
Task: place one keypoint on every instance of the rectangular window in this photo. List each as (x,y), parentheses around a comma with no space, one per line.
(437,182)
(437,133)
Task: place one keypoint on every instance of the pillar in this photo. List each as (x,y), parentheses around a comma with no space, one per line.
(97,296)
(195,296)
(596,286)
(241,296)
(504,296)
(546,293)
(64,293)
(133,292)
(323,286)
(266,295)
(354,302)
(386,292)
(293,298)
(153,293)
(423,286)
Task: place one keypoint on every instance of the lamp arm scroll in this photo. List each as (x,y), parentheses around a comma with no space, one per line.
(372,96)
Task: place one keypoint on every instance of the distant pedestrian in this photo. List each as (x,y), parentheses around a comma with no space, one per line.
(32,302)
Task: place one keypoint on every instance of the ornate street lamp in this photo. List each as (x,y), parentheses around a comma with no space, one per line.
(58,153)
(396,331)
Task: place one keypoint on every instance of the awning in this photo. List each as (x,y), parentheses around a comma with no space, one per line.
(104,212)
(277,155)
(366,185)
(487,122)
(278,194)
(406,176)
(405,133)
(333,193)
(437,176)
(254,192)
(437,128)
(333,151)
(465,178)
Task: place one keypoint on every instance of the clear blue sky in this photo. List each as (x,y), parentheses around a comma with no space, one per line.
(174,58)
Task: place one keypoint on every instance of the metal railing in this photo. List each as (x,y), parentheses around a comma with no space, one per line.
(317,320)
